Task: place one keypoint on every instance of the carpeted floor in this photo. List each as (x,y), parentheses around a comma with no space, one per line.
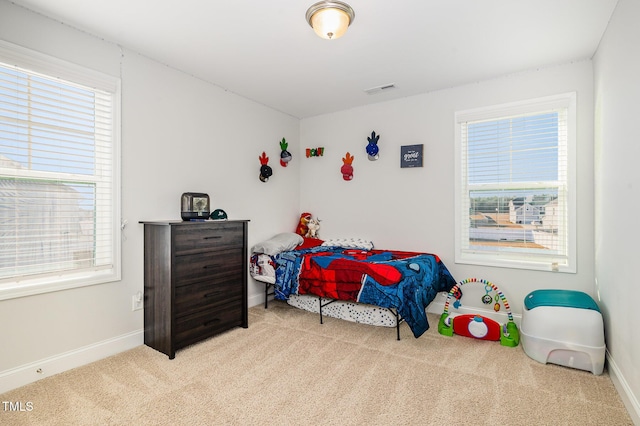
(287,369)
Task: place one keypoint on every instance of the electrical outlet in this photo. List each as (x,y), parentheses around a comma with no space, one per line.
(136,301)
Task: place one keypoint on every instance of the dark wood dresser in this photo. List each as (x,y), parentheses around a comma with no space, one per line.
(195,281)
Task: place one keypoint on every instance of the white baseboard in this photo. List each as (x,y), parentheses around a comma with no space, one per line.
(32,372)
(257,299)
(626,394)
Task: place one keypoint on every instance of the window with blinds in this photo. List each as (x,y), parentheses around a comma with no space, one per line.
(59,209)
(515,185)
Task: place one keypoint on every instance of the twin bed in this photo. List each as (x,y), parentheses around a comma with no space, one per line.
(351,280)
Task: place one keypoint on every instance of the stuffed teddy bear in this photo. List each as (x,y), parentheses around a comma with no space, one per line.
(312,228)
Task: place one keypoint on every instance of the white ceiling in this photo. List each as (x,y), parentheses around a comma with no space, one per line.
(265,50)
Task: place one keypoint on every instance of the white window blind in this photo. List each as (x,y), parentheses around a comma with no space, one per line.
(58,177)
(515,188)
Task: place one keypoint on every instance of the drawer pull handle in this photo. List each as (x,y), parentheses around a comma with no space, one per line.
(213,321)
(215,293)
(212,238)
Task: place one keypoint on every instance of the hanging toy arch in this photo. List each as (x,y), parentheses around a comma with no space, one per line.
(478,326)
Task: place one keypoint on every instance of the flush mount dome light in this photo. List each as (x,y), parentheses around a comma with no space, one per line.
(330,19)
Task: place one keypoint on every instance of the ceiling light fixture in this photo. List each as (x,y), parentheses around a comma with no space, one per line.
(330,19)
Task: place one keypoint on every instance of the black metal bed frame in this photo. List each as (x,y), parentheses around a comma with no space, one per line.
(267,294)
(267,286)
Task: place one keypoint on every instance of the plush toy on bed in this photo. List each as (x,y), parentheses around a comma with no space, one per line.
(302,227)
(312,228)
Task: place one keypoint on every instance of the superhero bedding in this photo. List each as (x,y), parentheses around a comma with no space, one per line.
(352,271)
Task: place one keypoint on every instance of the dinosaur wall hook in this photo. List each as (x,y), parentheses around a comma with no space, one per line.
(347,168)
(372,148)
(265,169)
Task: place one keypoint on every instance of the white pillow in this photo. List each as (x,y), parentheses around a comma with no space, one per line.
(278,243)
(351,243)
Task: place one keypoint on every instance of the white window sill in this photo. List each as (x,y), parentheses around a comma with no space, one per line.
(547,265)
(34,286)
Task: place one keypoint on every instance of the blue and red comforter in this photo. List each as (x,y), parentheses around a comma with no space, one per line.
(404,281)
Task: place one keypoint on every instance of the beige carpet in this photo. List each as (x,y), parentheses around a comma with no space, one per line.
(287,369)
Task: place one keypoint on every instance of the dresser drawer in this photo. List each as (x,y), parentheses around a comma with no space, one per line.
(216,265)
(207,294)
(203,324)
(200,237)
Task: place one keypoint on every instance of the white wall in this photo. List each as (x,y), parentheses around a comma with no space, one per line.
(178,134)
(413,209)
(617,182)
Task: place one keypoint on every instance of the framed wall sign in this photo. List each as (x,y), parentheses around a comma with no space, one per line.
(411,156)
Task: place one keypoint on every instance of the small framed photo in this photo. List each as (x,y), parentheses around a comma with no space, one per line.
(411,156)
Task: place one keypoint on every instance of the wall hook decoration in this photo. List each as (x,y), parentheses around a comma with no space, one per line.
(347,168)
(285,156)
(265,170)
(372,148)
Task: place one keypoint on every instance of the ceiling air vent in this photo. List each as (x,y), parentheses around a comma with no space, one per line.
(379,89)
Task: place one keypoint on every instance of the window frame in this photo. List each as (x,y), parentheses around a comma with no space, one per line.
(26,285)
(543,262)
